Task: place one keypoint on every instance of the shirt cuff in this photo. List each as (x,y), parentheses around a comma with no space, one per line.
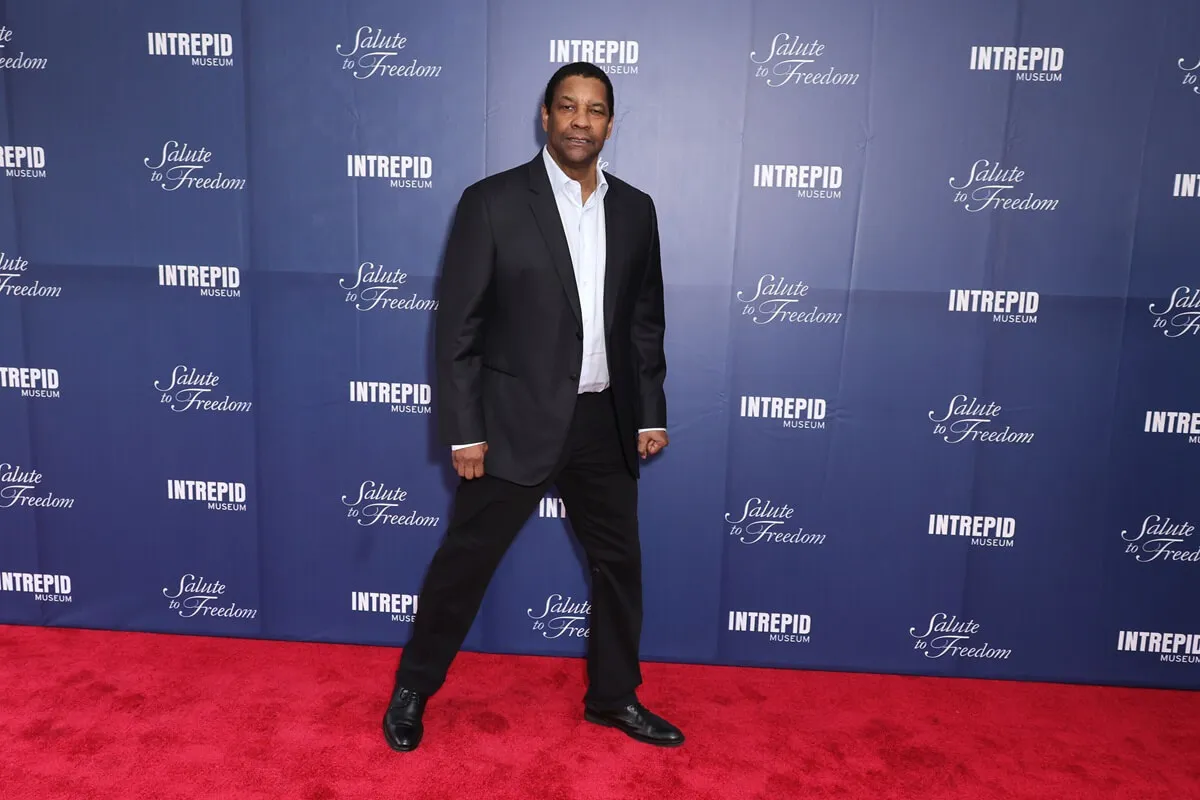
(643,430)
(461,446)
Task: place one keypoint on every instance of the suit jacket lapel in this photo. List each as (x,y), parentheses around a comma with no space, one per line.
(545,211)
(615,260)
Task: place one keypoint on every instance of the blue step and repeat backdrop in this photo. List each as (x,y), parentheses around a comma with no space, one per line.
(932,297)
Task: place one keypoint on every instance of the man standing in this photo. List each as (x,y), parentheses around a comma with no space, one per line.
(550,370)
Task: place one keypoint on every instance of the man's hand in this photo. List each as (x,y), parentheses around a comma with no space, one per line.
(468,461)
(652,442)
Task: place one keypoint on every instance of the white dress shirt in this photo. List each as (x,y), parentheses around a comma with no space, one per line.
(583,223)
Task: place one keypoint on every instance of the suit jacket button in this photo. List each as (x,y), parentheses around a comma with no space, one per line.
(579,335)
(574,377)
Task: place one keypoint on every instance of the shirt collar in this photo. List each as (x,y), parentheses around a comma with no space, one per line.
(560,181)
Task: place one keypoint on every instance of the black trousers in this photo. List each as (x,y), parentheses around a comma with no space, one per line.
(600,495)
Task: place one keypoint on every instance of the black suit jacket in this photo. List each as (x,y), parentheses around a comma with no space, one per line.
(509,335)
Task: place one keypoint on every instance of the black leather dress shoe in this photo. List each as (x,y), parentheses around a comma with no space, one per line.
(635,721)
(402,725)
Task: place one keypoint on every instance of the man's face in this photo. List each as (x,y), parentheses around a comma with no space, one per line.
(578,122)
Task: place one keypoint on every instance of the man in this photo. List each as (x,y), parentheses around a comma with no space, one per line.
(550,370)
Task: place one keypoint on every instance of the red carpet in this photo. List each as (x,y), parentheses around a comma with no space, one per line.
(89,714)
